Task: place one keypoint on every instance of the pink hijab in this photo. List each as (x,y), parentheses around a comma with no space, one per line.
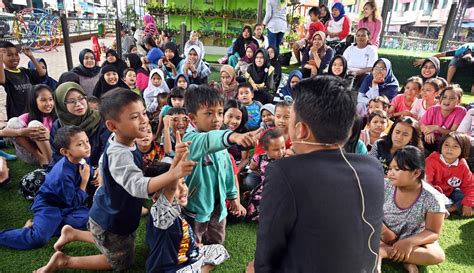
(150,25)
(229,91)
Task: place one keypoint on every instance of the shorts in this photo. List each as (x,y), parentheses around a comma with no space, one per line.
(208,255)
(118,249)
(460,62)
(21,152)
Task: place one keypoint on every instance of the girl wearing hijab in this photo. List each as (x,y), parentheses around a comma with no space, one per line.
(150,26)
(112,58)
(194,40)
(338,67)
(228,82)
(88,70)
(430,68)
(276,65)
(260,76)
(133,61)
(149,63)
(171,62)
(71,107)
(194,67)
(286,92)
(380,82)
(181,81)
(339,26)
(240,45)
(156,85)
(109,80)
(46,79)
(247,60)
(317,57)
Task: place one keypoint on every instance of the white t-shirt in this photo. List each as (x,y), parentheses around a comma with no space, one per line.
(418,109)
(467,125)
(359,58)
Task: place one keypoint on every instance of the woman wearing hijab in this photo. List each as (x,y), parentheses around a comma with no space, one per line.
(286,92)
(71,107)
(109,80)
(112,58)
(46,79)
(380,82)
(247,60)
(171,62)
(339,26)
(133,61)
(88,70)
(430,68)
(240,45)
(150,26)
(272,51)
(260,76)
(194,67)
(181,81)
(316,57)
(228,82)
(275,22)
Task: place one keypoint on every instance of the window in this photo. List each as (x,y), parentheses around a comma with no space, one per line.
(415,5)
(428,7)
(444,4)
(406,7)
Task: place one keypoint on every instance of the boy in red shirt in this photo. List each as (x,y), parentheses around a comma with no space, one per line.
(315,25)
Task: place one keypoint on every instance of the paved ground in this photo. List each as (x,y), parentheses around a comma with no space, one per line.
(56,60)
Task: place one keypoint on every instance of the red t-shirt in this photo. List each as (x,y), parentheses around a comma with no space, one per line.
(316,26)
(259,149)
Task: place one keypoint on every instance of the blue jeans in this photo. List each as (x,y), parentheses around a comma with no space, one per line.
(457,196)
(274,39)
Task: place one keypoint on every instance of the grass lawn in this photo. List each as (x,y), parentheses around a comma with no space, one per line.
(457,238)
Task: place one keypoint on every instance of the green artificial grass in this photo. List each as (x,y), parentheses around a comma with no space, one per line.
(456,239)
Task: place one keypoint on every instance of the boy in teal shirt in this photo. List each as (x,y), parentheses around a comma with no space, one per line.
(212,179)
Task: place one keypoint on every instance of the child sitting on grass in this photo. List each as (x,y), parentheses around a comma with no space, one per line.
(449,173)
(273,143)
(379,103)
(377,123)
(413,214)
(61,200)
(212,181)
(156,85)
(245,96)
(429,92)
(176,122)
(403,103)
(152,152)
(172,242)
(130,79)
(115,214)
(267,113)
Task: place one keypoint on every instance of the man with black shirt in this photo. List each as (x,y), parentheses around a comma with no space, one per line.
(321,210)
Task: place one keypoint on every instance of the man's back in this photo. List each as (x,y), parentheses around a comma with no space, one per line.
(310,218)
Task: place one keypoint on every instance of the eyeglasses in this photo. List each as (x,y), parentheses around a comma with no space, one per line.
(74,101)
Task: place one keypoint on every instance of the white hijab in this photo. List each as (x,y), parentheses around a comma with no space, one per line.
(151,92)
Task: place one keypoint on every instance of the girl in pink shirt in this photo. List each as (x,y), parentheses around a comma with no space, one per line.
(429,92)
(402,104)
(30,131)
(440,120)
(377,124)
(372,21)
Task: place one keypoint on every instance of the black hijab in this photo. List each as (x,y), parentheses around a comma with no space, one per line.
(135,61)
(69,77)
(81,70)
(119,63)
(241,43)
(102,86)
(344,64)
(173,47)
(276,65)
(260,74)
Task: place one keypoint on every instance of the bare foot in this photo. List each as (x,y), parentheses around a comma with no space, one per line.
(411,268)
(28,223)
(57,261)
(66,237)
(144,211)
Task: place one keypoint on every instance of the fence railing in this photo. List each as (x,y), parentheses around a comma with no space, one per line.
(87,25)
(416,43)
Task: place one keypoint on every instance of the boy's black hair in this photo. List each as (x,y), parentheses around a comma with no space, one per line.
(233,103)
(268,135)
(410,158)
(128,69)
(93,99)
(327,105)
(112,102)
(62,138)
(202,96)
(176,92)
(462,139)
(6,44)
(245,85)
(33,112)
(282,103)
(257,25)
(315,11)
(177,111)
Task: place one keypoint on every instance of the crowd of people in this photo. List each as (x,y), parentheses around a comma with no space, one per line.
(151,125)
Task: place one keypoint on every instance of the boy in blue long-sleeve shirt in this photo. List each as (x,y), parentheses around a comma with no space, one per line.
(212,180)
(61,200)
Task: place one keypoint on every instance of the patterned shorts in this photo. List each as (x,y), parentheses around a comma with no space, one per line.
(208,255)
(119,249)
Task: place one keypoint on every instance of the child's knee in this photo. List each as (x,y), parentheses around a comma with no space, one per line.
(15,123)
(35,124)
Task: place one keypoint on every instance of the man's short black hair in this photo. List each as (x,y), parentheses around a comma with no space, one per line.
(327,105)
(6,44)
(315,10)
(112,103)
(62,138)
(202,96)
(245,85)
